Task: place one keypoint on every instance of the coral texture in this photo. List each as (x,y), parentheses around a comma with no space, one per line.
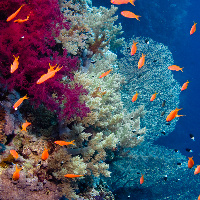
(166,174)
(153,77)
(104,100)
(91,28)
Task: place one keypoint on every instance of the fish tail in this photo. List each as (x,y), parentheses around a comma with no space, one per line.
(57,69)
(182,69)
(132,2)
(22,5)
(137,17)
(25,97)
(16,57)
(180,115)
(73,142)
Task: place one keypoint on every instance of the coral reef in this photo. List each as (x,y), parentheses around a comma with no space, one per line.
(104,100)
(97,114)
(34,43)
(166,175)
(74,39)
(91,28)
(153,77)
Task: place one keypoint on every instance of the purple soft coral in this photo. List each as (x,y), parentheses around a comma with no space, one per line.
(33,41)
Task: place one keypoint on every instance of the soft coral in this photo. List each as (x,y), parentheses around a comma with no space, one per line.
(33,41)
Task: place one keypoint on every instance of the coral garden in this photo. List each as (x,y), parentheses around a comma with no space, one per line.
(94,116)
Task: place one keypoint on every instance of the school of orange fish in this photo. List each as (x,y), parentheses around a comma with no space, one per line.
(174,113)
(51,73)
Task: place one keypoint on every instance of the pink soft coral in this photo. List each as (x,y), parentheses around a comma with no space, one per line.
(33,41)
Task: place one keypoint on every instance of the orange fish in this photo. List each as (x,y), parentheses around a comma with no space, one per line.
(142,179)
(105,73)
(175,68)
(193,29)
(135,96)
(72,175)
(24,125)
(14,154)
(133,48)
(197,170)
(185,85)
(22,20)
(129,14)
(51,73)
(118,2)
(15,64)
(15,13)
(45,154)
(153,96)
(18,103)
(141,61)
(190,162)
(198,198)
(173,114)
(62,143)
(16,174)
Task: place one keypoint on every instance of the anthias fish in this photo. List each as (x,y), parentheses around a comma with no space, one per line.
(185,85)
(50,74)
(24,125)
(72,175)
(105,73)
(19,102)
(118,2)
(193,29)
(129,14)
(15,13)
(153,97)
(16,174)
(45,154)
(173,114)
(135,96)
(15,64)
(190,162)
(62,143)
(142,179)
(175,68)
(14,154)
(133,48)
(141,61)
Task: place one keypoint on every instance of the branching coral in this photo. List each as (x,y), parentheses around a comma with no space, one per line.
(107,112)
(74,39)
(93,26)
(101,21)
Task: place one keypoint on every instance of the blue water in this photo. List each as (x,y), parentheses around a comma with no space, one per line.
(170,22)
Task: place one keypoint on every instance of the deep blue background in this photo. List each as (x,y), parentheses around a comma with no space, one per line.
(165,22)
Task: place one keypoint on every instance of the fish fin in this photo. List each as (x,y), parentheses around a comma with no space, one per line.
(180,115)
(132,2)
(25,97)
(73,142)
(137,17)
(57,69)
(182,69)
(51,67)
